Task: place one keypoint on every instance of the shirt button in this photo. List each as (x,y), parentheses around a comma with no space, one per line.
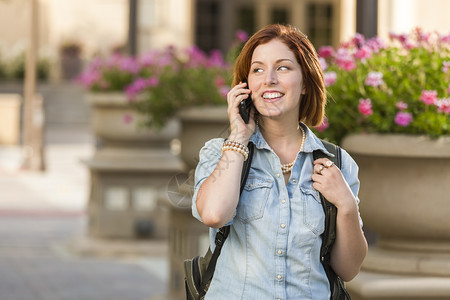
(279,277)
(283,226)
(249,185)
(294,181)
(279,252)
(283,201)
(278,175)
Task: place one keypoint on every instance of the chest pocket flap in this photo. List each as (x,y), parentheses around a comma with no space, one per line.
(253,198)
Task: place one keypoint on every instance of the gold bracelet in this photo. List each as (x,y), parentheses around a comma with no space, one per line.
(236,146)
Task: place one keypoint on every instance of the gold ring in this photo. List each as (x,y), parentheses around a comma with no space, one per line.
(320,169)
(328,164)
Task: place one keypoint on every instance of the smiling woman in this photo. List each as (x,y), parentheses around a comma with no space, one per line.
(274,246)
(275,78)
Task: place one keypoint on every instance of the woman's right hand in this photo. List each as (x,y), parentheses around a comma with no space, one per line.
(240,131)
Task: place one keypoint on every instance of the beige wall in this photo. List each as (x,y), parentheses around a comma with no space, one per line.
(98,24)
(401,16)
(102,24)
(165,22)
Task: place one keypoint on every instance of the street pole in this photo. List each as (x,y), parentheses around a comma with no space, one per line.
(366,17)
(33,116)
(132,27)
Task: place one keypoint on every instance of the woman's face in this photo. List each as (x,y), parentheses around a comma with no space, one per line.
(275,80)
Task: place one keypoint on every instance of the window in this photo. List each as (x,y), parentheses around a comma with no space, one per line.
(320,23)
(246,19)
(280,15)
(207,30)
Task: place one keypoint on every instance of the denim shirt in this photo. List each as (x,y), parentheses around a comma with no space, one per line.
(273,249)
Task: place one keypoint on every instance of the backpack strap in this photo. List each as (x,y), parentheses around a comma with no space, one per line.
(223,232)
(329,233)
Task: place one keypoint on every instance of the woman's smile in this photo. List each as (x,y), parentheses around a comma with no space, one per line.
(272,96)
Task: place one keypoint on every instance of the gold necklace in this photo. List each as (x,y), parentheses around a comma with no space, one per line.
(286,168)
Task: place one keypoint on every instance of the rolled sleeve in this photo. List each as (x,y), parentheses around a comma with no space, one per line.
(209,157)
(350,172)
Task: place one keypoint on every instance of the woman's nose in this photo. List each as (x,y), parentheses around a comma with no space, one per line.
(271,78)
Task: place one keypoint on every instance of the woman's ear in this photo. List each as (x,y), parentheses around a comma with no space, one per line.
(303,91)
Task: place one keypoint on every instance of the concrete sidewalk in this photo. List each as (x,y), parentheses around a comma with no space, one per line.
(42,217)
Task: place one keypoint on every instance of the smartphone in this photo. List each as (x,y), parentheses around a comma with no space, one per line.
(245,107)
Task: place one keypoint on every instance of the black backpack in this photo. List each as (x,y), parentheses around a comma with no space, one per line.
(200,270)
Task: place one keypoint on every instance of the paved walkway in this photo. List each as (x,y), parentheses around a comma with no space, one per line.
(41,219)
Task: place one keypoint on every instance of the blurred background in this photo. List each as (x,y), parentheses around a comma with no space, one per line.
(93,205)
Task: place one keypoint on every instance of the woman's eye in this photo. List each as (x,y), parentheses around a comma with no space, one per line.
(283,68)
(257,70)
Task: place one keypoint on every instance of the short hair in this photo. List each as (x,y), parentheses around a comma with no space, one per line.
(313,102)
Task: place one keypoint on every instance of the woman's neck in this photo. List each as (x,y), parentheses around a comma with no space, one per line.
(284,137)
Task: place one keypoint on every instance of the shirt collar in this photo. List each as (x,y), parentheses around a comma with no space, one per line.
(312,142)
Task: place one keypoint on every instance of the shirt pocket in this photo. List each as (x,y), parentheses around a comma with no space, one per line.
(253,199)
(313,214)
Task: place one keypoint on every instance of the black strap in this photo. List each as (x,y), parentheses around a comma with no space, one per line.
(223,232)
(329,233)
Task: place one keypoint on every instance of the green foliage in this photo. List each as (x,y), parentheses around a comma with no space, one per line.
(409,79)
(15,68)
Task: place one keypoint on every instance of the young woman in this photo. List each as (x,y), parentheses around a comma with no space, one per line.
(272,251)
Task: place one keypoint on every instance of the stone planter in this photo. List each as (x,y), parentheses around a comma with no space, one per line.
(114,122)
(129,171)
(198,125)
(405,199)
(187,236)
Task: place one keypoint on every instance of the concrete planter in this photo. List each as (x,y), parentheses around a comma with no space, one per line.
(405,188)
(198,125)
(187,236)
(130,171)
(114,121)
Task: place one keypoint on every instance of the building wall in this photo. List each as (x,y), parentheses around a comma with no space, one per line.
(401,16)
(100,25)
(165,22)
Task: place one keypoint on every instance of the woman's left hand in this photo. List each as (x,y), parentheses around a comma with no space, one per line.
(330,182)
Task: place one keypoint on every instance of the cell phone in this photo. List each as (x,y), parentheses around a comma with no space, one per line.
(245,107)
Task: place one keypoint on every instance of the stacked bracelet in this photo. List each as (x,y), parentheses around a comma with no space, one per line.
(235,146)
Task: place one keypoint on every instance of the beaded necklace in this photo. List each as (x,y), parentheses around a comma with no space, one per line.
(286,168)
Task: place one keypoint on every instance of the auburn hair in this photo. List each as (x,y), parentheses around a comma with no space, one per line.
(312,105)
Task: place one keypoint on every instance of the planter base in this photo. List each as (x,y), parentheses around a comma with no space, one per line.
(374,286)
(405,262)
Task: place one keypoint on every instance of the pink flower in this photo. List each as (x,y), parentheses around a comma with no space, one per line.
(344,60)
(401,105)
(443,105)
(403,118)
(323,63)
(139,85)
(326,51)
(242,36)
(375,44)
(223,91)
(365,107)
(324,125)
(363,53)
(216,59)
(445,38)
(330,78)
(445,67)
(358,39)
(127,118)
(374,79)
(219,81)
(428,97)
(152,81)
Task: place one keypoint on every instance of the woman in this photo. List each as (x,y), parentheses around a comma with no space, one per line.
(272,251)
